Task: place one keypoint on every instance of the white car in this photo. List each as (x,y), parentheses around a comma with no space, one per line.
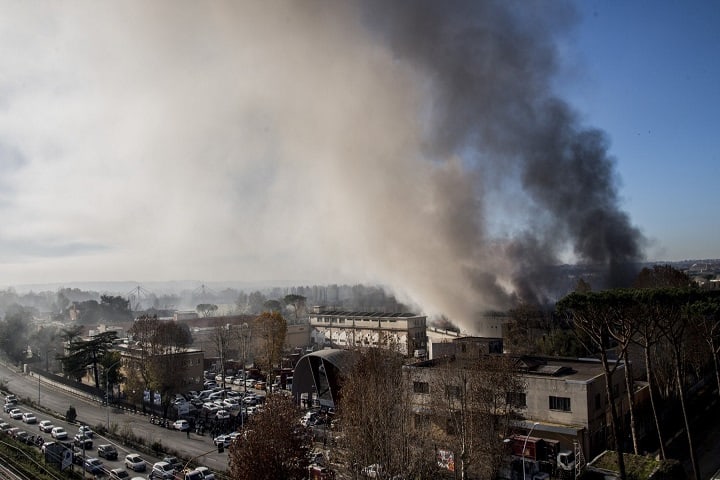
(206,473)
(222,415)
(46,426)
(181,425)
(162,470)
(59,433)
(135,462)
(223,440)
(16,414)
(28,417)
(87,431)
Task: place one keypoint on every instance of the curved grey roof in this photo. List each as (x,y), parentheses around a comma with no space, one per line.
(319,375)
(343,360)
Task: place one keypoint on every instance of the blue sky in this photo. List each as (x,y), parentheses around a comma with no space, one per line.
(648,73)
(274,141)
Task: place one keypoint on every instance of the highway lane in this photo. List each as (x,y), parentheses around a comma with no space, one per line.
(93,413)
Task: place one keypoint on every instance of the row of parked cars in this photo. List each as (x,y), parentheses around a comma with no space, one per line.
(169,468)
(81,443)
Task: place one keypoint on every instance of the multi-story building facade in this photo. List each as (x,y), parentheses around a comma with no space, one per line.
(403,332)
(565,397)
(184,366)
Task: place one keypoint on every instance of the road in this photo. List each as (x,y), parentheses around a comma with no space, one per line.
(92,413)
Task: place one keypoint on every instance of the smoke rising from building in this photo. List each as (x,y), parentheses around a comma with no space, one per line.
(414,144)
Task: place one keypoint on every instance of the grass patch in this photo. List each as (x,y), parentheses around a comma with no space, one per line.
(637,467)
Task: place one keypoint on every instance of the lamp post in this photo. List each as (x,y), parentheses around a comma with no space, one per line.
(535,424)
(38,375)
(107,394)
(244,333)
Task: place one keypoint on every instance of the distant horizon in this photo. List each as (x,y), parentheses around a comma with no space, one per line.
(186,284)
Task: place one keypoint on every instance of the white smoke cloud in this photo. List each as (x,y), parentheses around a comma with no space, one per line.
(234,141)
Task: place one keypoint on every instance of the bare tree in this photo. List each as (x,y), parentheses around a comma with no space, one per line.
(269,330)
(374,416)
(156,362)
(274,446)
(472,407)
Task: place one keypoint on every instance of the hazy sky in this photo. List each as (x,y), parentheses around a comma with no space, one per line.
(327,142)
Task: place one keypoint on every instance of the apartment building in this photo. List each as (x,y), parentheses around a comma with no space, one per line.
(565,397)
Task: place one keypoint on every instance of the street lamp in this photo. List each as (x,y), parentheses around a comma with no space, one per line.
(525,445)
(244,333)
(107,394)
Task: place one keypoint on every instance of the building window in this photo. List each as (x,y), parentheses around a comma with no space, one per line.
(422,421)
(451,423)
(560,403)
(453,391)
(421,387)
(516,399)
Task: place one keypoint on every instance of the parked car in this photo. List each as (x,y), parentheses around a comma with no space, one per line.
(162,470)
(83,441)
(22,436)
(45,446)
(4,427)
(119,474)
(135,462)
(223,440)
(9,406)
(181,425)
(29,417)
(11,399)
(86,430)
(222,415)
(206,473)
(59,433)
(108,452)
(46,426)
(16,414)
(93,465)
(177,465)
(193,475)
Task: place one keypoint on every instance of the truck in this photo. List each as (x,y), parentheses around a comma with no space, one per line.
(541,458)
